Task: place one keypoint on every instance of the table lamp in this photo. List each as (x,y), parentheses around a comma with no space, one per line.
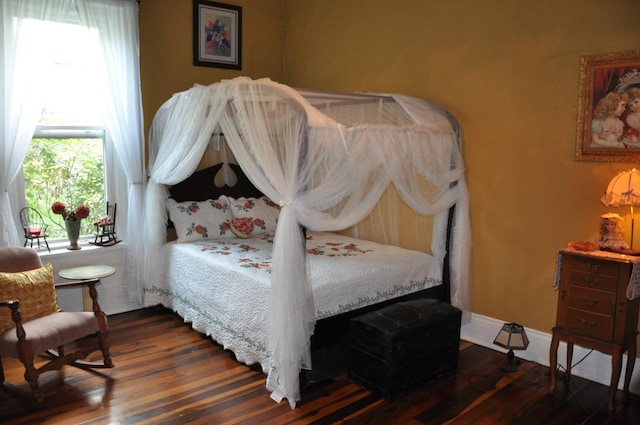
(624,191)
(512,337)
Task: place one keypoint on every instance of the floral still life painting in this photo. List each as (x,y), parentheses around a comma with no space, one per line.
(217,35)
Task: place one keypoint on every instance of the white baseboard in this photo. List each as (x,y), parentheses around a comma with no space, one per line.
(482,330)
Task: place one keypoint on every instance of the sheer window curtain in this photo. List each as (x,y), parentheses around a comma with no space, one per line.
(23,76)
(117,24)
(25,65)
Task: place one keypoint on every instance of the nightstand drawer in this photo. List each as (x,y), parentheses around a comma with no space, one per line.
(600,302)
(592,265)
(590,324)
(595,281)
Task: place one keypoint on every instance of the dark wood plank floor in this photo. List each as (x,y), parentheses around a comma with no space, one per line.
(167,373)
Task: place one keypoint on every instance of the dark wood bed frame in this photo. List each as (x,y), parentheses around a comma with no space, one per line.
(330,339)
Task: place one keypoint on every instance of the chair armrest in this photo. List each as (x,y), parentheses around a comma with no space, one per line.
(75,283)
(14,305)
(9,303)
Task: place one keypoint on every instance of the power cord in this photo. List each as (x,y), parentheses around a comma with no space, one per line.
(559,366)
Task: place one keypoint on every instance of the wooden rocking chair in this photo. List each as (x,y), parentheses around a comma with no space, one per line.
(32,323)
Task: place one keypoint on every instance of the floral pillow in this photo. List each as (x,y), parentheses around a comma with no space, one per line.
(262,211)
(196,221)
(34,289)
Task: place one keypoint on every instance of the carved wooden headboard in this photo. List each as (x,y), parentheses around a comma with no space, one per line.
(200,186)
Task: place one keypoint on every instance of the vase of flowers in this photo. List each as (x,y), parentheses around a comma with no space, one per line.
(72,220)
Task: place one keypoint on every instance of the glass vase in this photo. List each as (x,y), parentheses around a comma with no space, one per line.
(73,233)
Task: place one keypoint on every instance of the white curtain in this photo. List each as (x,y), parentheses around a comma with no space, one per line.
(326,166)
(25,62)
(119,77)
(27,46)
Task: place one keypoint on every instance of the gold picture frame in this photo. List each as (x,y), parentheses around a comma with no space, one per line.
(609,82)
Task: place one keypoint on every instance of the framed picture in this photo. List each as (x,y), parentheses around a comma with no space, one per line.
(217,35)
(609,108)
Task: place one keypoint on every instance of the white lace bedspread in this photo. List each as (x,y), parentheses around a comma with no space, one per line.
(222,286)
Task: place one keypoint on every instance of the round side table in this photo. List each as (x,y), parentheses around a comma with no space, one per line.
(87,272)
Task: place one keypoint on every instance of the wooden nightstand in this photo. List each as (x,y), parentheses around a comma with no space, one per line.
(594,312)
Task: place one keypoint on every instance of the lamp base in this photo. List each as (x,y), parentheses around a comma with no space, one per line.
(512,364)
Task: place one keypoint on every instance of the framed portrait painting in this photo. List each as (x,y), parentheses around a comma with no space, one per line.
(217,35)
(609,108)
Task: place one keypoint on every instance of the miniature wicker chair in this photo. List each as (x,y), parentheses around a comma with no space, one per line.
(34,227)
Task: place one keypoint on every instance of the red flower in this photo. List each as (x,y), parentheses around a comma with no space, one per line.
(82,211)
(200,229)
(59,208)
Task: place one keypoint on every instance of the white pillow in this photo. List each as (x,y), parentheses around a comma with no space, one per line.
(195,221)
(262,211)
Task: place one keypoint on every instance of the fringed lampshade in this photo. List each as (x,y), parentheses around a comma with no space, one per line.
(624,191)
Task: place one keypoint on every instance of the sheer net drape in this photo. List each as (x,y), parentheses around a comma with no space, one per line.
(326,172)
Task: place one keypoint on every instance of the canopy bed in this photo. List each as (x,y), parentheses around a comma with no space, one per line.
(314,163)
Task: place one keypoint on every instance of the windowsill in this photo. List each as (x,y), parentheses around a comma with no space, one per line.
(59,248)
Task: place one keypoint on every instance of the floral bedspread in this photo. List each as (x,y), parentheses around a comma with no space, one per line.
(222,286)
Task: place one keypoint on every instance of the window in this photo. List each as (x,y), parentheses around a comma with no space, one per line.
(66,160)
(69,169)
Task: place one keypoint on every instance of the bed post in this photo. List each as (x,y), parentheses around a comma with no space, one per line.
(446,272)
(446,267)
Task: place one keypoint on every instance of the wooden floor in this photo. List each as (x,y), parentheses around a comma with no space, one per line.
(168,374)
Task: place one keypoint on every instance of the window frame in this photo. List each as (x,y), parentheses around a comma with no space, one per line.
(114,179)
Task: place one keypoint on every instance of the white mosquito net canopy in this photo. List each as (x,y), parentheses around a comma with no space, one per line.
(326,159)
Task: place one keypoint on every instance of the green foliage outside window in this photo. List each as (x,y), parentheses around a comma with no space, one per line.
(67,170)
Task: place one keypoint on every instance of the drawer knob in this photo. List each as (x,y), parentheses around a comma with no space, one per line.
(590,303)
(591,283)
(593,266)
(591,324)
(620,305)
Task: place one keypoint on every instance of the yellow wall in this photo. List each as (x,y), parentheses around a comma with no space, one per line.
(166,48)
(507,69)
